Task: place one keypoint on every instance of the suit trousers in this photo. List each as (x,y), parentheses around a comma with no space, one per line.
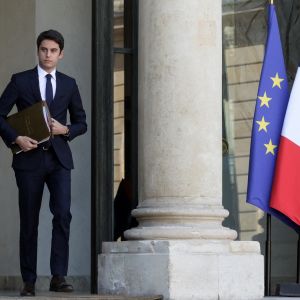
(31,185)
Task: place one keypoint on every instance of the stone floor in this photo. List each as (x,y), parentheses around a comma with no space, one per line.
(280,298)
(7,295)
(57,296)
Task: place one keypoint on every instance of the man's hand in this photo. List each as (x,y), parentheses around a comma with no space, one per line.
(26,143)
(58,128)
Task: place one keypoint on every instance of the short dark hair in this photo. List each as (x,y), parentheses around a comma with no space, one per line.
(51,35)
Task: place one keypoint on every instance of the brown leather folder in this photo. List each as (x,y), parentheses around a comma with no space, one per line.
(33,121)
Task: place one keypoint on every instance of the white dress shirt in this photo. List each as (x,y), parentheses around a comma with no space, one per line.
(42,81)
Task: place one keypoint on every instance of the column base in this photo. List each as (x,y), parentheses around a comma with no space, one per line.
(183,270)
(180,233)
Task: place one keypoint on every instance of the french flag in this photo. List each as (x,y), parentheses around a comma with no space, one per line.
(285,195)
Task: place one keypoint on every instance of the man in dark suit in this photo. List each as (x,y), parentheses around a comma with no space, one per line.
(50,162)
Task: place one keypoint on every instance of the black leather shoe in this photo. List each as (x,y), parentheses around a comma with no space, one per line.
(59,284)
(28,290)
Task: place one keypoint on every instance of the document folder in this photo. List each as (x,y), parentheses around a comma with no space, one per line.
(33,122)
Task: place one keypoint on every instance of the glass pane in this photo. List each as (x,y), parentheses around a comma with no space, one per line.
(118,23)
(243,53)
(244,36)
(119,128)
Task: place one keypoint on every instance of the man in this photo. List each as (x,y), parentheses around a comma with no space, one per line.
(50,162)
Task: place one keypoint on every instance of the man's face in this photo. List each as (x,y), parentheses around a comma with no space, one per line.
(49,54)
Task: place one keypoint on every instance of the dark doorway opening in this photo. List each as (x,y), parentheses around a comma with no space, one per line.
(114,49)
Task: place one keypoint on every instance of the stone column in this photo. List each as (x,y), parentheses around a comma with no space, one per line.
(180,121)
(181,249)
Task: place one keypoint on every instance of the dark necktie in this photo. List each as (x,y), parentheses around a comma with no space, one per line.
(49,90)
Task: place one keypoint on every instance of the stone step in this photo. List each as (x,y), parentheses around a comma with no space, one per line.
(73,296)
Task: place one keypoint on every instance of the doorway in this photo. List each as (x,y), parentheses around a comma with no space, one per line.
(114,116)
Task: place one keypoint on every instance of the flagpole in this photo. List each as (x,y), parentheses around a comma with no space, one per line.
(268,248)
(268,257)
(298,259)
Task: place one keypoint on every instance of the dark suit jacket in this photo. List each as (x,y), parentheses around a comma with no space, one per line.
(23,90)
